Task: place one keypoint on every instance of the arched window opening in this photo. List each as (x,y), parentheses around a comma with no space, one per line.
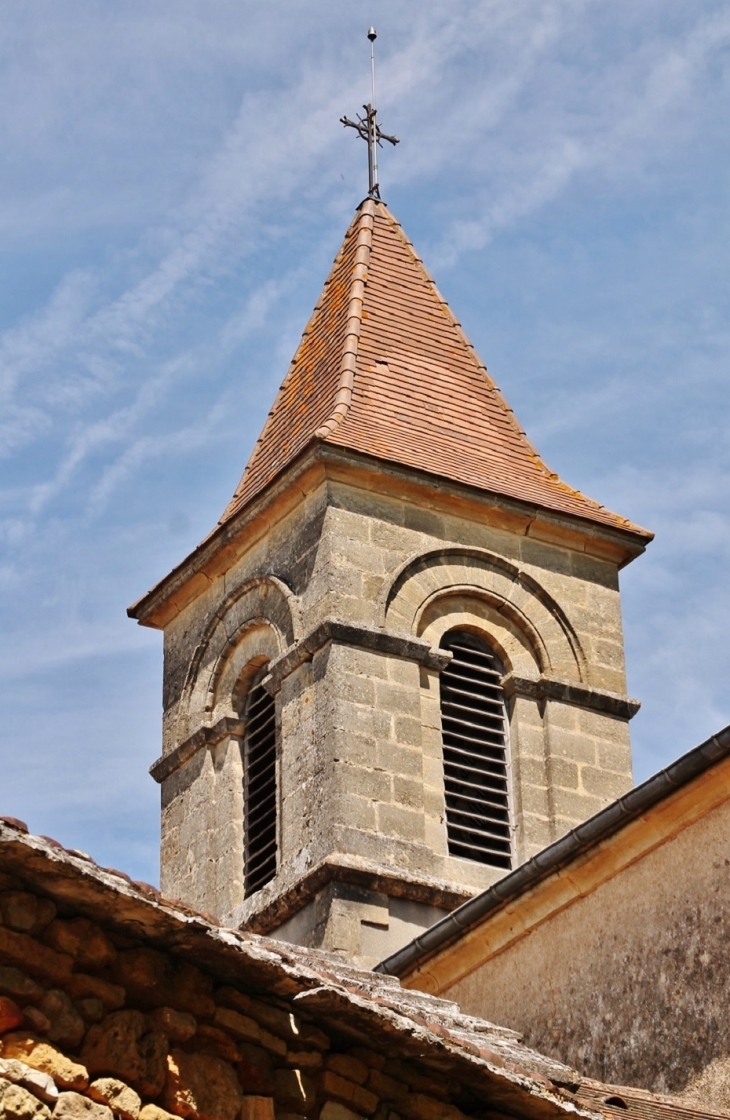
(259,788)
(475,745)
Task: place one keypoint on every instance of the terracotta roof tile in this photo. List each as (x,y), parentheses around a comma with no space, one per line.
(384,369)
(625,1102)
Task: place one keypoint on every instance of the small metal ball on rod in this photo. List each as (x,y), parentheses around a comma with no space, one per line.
(367,127)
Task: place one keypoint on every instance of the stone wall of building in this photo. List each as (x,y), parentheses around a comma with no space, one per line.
(629,982)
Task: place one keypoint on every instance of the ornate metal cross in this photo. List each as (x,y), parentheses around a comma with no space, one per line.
(368,128)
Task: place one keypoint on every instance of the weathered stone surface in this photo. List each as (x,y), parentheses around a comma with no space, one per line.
(294,1090)
(81,986)
(176,1025)
(153,980)
(82,940)
(122,1100)
(304,1059)
(257,1108)
(280,1022)
(40,1084)
(333,1110)
(282,977)
(619,1000)
(20,949)
(66,1025)
(711,1088)
(273,1043)
(368,1057)
(416,1106)
(16,1103)
(312,1036)
(430,1086)
(45,913)
(384,1086)
(211,1040)
(15,983)
(125,1045)
(201,1087)
(154,1112)
(334,1085)
(10,1014)
(240,1026)
(35,1020)
(72,1106)
(43,1056)
(347,1066)
(91,1010)
(255,1070)
(25,912)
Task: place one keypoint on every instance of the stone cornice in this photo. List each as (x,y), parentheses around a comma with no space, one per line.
(364,637)
(206,736)
(319,463)
(569,692)
(331,630)
(272,906)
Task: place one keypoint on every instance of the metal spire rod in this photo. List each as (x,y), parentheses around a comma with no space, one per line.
(373,148)
(367,127)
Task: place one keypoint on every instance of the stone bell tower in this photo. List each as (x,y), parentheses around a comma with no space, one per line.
(395,668)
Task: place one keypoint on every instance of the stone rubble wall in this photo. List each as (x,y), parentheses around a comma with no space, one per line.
(96,1026)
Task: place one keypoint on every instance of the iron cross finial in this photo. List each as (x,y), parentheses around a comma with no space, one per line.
(368,128)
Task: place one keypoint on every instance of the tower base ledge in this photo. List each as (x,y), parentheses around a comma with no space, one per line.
(271,908)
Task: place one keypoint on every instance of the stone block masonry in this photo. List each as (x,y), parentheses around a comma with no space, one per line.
(345,593)
(118,1005)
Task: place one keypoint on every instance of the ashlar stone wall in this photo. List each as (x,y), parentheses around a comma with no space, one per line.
(346,599)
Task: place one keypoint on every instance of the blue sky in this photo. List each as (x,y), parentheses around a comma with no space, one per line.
(176,183)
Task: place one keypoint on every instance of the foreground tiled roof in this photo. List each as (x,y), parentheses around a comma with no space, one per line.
(622,1102)
(491,1061)
(384,369)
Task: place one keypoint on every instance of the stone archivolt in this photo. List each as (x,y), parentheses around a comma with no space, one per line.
(259,619)
(427,585)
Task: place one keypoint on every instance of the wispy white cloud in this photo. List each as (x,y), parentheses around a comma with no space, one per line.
(173,176)
(632,116)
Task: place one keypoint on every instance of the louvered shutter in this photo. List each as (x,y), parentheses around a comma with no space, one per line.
(259,790)
(475,751)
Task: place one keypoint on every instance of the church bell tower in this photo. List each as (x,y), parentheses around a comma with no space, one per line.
(395,669)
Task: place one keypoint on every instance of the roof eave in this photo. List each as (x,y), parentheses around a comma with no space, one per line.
(208,558)
(225,535)
(573,845)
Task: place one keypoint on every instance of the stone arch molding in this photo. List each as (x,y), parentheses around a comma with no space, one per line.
(257,621)
(460,574)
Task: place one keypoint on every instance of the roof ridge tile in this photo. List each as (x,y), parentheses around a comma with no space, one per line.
(348,361)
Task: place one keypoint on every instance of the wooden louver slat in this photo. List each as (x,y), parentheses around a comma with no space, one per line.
(475,752)
(259,790)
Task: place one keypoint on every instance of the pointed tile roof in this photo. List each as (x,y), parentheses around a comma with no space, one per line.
(384,369)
